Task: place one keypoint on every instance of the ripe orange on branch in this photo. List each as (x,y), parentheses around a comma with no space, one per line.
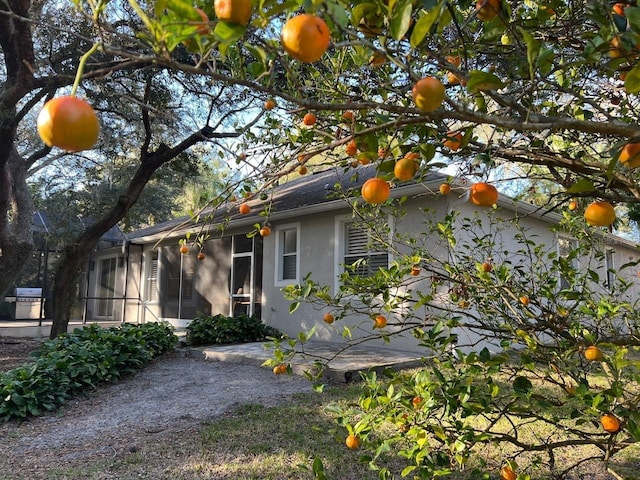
(600,214)
(309,119)
(305,37)
(352,442)
(405,168)
(380,321)
(233,11)
(375,190)
(453,141)
(444,188)
(610,423)
(630,155)
(69,123)
(328,318)
(428,94)
(507,473)
(483,194)
(269,104)
(593,354)
(487,9)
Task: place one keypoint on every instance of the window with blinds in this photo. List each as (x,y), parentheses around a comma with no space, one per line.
(358,255)
(287,251)
(152,278)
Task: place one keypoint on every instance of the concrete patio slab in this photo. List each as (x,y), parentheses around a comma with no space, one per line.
(343,363)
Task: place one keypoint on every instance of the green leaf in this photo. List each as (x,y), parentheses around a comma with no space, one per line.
(533,50)
(229,32)
(294,306)
(400,19)
(632,81)
(582,185)
(522,385)
(423,26)
(481,81)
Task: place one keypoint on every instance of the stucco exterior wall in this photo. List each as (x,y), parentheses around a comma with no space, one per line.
(317,256)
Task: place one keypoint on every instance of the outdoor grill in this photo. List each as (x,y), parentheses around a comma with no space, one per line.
(28,302)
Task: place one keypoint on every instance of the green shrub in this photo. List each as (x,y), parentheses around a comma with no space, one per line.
(74,362)
(221,329)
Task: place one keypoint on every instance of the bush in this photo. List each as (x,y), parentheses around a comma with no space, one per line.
(74,362)
(221,329)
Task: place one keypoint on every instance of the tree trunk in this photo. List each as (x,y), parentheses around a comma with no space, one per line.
(16,236)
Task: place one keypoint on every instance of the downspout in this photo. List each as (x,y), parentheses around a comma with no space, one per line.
(86,292)
(125,252)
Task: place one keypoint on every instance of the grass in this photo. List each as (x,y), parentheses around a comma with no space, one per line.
(281,443)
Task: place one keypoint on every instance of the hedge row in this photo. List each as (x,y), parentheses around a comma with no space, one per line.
(220,329)
(75,362)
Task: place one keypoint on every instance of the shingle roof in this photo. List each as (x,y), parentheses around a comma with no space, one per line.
(309,190)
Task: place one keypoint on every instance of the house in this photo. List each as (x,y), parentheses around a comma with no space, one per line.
(313,231)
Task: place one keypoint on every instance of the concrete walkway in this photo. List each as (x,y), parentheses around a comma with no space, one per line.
(342,363)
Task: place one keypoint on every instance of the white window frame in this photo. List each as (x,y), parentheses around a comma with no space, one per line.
(339,245)
(279,281)
(573,244)
(610,267)
(151,282)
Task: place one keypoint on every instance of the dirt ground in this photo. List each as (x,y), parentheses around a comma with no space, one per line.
(170,399)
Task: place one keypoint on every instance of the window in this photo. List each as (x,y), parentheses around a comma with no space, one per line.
(610,266)
(287,258)
(568,261)
(358,252)
(152,277)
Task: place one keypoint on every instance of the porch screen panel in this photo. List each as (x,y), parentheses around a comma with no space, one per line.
(107,286)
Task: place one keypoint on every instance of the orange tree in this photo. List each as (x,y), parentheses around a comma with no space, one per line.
(525,346)
(543,92)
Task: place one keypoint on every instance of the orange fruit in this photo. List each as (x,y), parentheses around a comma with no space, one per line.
(487,9)
(444,188)
(453,141)
(507,473)
(428,94)
(184,249)
(630,155)
(309,119)
(68,123)
(375,190)
(610,423)
(302,170)
(379,322)
(364,159)
(328,318)
(351,148)
(265,231)
(415,270)
(280,369)
(405,168)
(600,214)
(233,11)
(305,37)
(244,209)
(615,48)
(269,104)
(201,256)
(348,116)
(618,8)
(352,442)
(593,354)
(483,194)
(487,267)
(573,205)
(524,300)
(416,401)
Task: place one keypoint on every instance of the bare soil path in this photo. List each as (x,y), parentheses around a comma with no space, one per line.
(171,398)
